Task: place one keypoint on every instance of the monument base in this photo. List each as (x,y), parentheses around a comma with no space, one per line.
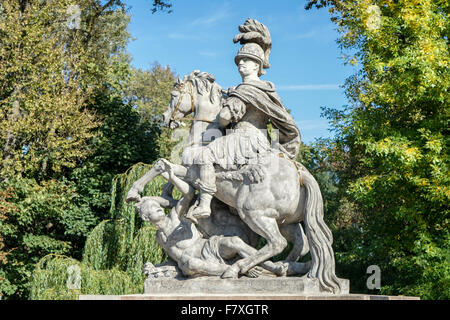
(242,286)
(249,297)
(208,288)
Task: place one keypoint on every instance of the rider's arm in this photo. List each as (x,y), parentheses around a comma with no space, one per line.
(233,111)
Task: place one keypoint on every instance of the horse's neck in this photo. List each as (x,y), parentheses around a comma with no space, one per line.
(205,118)
(206,110)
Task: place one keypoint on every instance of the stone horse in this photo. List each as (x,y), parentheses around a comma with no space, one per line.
(271,197)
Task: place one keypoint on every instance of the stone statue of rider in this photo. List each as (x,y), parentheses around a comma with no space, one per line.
(247,110)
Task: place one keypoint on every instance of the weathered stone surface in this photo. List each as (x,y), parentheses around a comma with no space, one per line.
(242,286)
(229,158)
(258,297)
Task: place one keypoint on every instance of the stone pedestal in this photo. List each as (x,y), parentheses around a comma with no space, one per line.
(210,288)
(243,286)
(248,297)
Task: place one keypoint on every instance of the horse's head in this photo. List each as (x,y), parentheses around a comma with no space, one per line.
(197,93)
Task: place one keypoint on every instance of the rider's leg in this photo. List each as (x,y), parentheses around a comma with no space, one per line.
(206,183)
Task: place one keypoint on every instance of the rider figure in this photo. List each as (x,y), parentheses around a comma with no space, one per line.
(248,107)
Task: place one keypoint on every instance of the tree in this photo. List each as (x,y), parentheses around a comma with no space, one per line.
(395,137)
(67,126)
(130,133)
(149,91)
(50,71)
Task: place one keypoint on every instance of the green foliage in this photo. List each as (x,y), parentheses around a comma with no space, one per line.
(149,91)
(48,72)
(53,272)
(393,142)
(67,128)
(114,254)
(144,249)
(42,218)
(162,5)
(129,133)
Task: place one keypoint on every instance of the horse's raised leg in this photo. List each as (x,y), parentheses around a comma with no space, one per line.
(157,169)
(294,233)
(261,222)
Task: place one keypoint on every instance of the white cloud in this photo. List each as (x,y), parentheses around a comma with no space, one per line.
(305,87)
(210,20)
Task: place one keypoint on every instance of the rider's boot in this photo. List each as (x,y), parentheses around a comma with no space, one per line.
(207,184)
(203,210)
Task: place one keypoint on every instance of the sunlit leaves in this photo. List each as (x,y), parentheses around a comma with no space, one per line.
(397,130)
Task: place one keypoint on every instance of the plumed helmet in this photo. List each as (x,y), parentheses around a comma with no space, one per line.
(253,51)
(256,41)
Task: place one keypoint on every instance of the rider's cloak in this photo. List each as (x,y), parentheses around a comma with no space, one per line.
(262,96)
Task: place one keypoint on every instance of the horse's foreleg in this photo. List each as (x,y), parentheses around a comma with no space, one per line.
(263,223)
(230,246)
(157,169)
(134,194)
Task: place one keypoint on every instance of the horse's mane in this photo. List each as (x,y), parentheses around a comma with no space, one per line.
(205,84)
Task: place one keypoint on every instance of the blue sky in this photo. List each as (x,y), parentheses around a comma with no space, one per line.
(306,67)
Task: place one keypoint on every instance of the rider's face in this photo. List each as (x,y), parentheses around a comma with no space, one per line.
(247,67)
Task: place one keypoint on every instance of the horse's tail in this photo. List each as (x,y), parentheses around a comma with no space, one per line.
(319,237)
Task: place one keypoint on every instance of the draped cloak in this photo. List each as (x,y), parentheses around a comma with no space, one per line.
(262,96)
(243,145)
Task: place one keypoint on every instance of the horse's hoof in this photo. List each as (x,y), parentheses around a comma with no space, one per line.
(230,273)
(133,196)
(282,269)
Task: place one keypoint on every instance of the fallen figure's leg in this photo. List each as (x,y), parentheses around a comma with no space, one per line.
(230,246)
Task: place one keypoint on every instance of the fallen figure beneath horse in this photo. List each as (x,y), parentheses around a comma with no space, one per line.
(195,255)
(271,197)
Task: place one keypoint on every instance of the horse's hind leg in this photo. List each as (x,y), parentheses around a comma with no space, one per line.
(294,233)
(261,222)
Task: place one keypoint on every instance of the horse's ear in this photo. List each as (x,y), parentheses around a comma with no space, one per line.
(210,77)
(192,75)
(207,76)
(178,80)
